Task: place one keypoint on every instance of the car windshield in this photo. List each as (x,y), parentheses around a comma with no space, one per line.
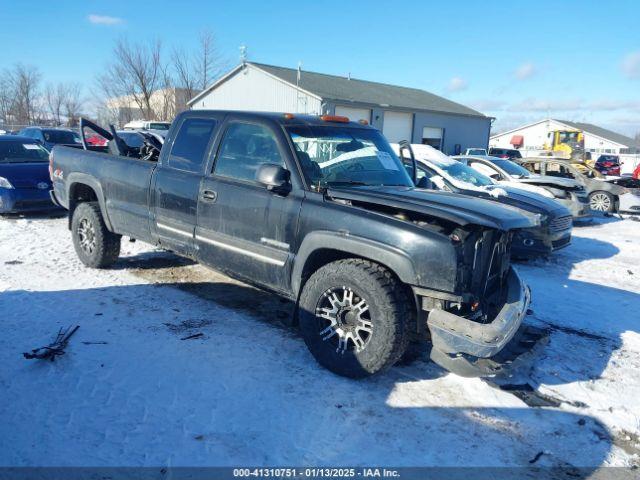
(464,173)
(159,126)
(61,136)
(22,152)
(132,139)
(332,155)
(512,168)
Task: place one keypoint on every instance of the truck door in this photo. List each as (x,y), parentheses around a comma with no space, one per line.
(243,228)
(177,183)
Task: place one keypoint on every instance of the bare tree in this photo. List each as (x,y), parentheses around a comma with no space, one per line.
(194,72)
(134,75)
(25,81)
(7,97)
(55,96)
(73,103)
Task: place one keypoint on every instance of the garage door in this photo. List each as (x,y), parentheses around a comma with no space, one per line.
(397,126)
(354,114)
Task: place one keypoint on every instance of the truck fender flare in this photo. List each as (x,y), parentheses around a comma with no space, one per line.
(393,258)
(82,178)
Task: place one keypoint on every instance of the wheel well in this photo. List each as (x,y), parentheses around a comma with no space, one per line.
(79,193)
(324,256)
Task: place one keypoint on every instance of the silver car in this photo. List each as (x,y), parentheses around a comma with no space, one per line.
(570,193)
(606,194)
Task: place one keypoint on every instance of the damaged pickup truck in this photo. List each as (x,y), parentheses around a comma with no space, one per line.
(321,211)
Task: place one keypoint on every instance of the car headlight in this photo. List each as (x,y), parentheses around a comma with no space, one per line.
(4,183)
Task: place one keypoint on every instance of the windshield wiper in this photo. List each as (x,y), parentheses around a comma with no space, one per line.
(346,182)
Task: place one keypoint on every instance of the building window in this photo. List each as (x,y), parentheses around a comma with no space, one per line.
(432,136)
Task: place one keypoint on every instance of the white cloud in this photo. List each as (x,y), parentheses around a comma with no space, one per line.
(525,71)
(104,20)
(457,84)
(631,65)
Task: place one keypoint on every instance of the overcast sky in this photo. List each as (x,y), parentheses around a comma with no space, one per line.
(517,61)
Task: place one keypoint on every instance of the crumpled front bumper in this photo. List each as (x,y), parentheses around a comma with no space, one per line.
(470,348)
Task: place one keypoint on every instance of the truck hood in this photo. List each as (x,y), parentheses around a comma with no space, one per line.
(455,208)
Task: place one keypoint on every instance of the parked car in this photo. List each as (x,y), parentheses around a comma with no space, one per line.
(445,173)
(605,194)
(24,176)
(569,193)
(52,136)
(475,151)
(504,152)
(147,125)
(321,211)
(636,172)
(608,165)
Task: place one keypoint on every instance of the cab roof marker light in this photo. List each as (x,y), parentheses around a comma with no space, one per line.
(334,118)
(289,116)
(362,121)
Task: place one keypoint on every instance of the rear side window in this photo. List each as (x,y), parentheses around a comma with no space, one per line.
(191,144)
(244,148)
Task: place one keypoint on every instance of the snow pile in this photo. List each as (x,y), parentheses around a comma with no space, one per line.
(130,392)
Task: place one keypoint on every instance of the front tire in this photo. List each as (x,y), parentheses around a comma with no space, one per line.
(354,316)
(601,201)
(95,246)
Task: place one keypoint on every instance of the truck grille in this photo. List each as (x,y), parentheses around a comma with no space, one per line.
(560,223)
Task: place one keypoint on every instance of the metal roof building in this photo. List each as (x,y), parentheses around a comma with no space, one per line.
(597,140)
(401,113)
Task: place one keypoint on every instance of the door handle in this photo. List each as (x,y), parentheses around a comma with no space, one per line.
(209,195)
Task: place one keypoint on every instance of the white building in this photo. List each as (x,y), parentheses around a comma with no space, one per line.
(401,113)
(531,138)
(165,104)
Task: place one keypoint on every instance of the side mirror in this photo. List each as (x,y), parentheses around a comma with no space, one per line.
(275,177)
(425,183)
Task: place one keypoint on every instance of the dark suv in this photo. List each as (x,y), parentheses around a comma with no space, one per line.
(49,136)
(319,210)
(508,153)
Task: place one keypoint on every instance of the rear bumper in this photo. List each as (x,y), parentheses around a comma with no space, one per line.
(16,200)
(459,344)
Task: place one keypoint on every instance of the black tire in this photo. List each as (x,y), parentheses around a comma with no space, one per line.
(95,246)
(601,201)
(388,314)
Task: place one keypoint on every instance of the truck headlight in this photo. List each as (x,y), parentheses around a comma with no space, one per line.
(4,183)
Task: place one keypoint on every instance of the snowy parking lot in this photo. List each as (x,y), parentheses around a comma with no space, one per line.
(131,391)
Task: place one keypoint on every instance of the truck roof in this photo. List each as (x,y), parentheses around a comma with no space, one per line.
(283,118)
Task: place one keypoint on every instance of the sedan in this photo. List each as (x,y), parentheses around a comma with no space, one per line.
(24,175)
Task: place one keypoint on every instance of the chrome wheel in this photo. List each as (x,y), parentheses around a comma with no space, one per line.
(348,317)
(87,236)
(600,202)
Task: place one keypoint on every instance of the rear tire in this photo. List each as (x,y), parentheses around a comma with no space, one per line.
(95,246)
(601,201)
(354,316)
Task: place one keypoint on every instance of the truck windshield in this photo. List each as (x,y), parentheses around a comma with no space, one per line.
(61,136)
(21,152)
(331,155)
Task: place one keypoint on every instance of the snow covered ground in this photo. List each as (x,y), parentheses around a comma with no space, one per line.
(248,393)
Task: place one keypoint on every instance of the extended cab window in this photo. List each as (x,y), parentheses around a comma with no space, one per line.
(244,148)
(191,143)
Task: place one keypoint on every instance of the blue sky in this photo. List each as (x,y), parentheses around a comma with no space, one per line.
(517,61)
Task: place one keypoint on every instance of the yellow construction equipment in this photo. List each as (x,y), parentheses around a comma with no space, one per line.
(568,144)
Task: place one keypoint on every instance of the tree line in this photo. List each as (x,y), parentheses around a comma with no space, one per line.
(141,80)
